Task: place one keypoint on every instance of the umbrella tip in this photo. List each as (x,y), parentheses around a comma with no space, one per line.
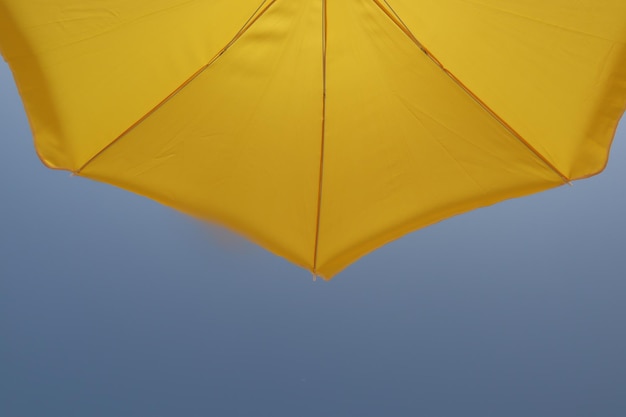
(314,275)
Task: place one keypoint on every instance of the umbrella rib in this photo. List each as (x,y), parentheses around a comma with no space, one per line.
(260,11)
(323,137)
(397,20)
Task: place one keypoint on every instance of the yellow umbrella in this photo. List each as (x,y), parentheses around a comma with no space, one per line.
(321,129)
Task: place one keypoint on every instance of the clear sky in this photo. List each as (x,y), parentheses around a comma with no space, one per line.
(113,305)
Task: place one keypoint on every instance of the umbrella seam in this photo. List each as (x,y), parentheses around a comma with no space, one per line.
(260,11)
(323,137)
(397,20)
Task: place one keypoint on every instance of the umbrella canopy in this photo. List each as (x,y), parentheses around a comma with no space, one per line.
(321,129)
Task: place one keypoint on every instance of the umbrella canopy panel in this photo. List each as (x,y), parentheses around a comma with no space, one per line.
(555,70)
(321,129)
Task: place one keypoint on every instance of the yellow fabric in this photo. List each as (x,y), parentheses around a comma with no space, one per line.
(553,69)
(321,129)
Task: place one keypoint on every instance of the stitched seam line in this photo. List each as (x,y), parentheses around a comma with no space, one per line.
(321,170)
(391,13)
(260,11)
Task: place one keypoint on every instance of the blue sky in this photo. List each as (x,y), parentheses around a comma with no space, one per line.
(113,305)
